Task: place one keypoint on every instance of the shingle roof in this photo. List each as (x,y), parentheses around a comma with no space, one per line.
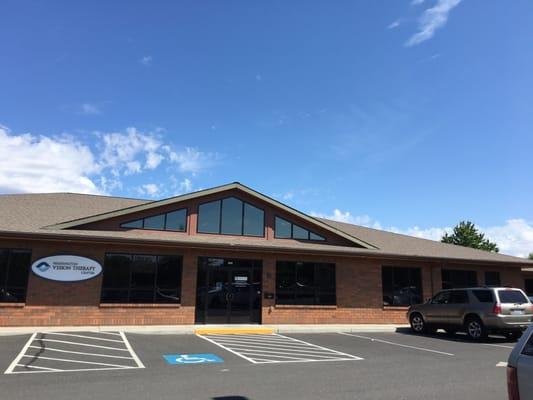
(30,213)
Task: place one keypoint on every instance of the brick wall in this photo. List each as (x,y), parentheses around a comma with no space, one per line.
(359,291)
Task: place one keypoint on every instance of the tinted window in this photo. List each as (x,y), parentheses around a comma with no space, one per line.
(141,279)
(137,224)
(287,230)
(231,216)
(176,221)
(457,279)
(492,278)
(14,270)
(511,296)
(209,217)
(299,233)
(528,348)
(484,296)
(283,229)
(238,218)
(155,222)
(305,283)
(441,298)
(172,221)
(459,297)
(529,287)
(254,221)
(401,286)
(314,236)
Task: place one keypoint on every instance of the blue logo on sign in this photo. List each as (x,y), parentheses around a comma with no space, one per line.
(192,359)
(43,267)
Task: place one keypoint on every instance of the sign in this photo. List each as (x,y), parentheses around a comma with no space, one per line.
(175,359)
(66,268)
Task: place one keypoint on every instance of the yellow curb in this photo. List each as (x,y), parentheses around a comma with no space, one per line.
(234,331)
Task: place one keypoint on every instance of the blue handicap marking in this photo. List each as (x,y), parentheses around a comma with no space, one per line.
(192,359)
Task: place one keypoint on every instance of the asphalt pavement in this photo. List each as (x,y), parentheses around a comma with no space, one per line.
(335,365)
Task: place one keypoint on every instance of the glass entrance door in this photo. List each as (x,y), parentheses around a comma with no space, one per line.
(228,291)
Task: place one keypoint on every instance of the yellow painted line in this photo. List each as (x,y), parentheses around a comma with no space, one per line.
(234,331)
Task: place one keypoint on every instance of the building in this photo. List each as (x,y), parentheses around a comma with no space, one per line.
(222,255)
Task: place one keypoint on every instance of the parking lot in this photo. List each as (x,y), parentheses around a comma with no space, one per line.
(338,365)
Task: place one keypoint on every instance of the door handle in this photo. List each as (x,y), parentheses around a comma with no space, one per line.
(229,296)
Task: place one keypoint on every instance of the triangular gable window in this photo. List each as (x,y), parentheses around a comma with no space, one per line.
(287,230)
(175,221)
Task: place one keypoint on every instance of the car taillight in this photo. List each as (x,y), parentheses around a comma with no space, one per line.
(512,384)
(497,309)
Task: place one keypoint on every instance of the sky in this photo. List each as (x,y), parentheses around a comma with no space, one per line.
(405,115)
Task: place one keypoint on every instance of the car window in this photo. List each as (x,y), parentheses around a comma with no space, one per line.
(441,298)
(459,297)
(512,296)
(483,296)
(528,348)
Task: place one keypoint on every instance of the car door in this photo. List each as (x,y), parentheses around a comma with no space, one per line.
(524,366)
(437,307)
(456,308)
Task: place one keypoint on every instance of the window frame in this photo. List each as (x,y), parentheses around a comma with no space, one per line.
(454,271)
(220,218)
(410,276)
(129,288)
(317,290)
(164,221)
(309,232)
(4,280)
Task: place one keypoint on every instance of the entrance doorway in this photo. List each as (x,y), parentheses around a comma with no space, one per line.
(228,291)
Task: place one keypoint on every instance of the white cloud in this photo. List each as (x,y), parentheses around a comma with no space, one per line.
(146,61)
(31,163)
(39,163)
(150,189)
(346,216)
(515,237)
(394,24)
(90,109)
(432,19)
(192,160)
(185,186)
(122,150)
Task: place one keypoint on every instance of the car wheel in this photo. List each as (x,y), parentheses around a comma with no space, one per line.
(418,324)
(475,329)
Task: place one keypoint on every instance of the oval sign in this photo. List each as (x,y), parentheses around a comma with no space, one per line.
(66,268)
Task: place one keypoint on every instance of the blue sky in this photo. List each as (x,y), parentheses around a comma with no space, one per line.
(404,115)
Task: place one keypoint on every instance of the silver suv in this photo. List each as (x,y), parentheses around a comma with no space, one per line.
(477,311)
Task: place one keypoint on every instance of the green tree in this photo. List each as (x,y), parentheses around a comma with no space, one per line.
(466,234)
(530,256)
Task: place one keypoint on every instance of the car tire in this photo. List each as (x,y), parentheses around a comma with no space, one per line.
(475,329)
(418,325)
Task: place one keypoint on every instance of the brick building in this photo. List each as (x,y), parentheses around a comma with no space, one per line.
(222,255)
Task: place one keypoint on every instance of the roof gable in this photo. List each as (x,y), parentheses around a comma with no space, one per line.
(216,190)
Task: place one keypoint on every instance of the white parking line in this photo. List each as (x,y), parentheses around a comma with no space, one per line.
(498,345)
(41,354)
(82,353)
(501,364)
(81,344)
(15,362)
(397,344)
(83,337)
(275,348)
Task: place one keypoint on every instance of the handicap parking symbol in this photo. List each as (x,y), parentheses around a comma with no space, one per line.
(174,359)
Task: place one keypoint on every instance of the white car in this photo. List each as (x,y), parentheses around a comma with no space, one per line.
(520,368)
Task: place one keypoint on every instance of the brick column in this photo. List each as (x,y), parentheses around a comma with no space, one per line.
(188,284)
(269,286)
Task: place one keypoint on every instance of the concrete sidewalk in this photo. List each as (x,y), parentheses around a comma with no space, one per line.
(190,329)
